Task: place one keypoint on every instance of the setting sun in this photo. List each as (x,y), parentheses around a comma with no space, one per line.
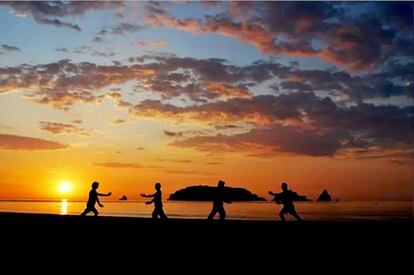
(65,187)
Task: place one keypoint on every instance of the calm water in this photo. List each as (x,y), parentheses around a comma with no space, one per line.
(333,211)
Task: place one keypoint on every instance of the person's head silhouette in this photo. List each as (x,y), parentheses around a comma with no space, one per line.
(221,184)
(284,186)
(158,186)
(95,185)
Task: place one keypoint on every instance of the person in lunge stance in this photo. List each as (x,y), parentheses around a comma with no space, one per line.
(286,198)
(94,198)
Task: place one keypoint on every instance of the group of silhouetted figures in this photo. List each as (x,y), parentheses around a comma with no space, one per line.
(219,198)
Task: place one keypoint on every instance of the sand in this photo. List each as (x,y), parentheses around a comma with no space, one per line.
(267,246)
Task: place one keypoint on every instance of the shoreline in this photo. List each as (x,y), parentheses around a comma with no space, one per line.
(14,215)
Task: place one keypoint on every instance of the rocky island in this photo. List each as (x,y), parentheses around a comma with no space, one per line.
(123,198)
(324,196)
(206,193)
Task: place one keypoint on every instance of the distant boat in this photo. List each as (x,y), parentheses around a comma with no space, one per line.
(123,198)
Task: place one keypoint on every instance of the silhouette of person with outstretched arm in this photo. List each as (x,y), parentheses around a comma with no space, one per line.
(157,200)
(218,202)
(286,198)
(94,198)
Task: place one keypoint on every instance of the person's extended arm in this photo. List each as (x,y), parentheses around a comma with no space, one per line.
(276,198)
(147,196)
(104,195)
(149,202)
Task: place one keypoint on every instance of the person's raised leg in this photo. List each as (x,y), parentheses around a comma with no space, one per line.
(95,212)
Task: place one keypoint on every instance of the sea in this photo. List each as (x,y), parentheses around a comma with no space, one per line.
(312,211)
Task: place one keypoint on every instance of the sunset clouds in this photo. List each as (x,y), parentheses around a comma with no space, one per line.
(62,128)
(300,123)
(205,88)
(49,12)
(294,28)
(14,142)
(306,105)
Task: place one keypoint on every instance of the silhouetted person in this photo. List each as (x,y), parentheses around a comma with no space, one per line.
(94,198)
(218,202)
(157,200)
(286,198)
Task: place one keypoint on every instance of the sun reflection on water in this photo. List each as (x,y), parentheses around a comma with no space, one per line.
(64,207)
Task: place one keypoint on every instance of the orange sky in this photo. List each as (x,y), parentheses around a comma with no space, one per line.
(133,93)
(38,175)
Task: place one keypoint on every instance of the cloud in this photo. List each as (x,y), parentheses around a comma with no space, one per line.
(187,172)
(277,139)
(368,154)
(226,90)
(173,134)
(62,128)
(9,48)
(298,123)
(202,80)
(58,23)
(119,121)
(349,45)
(81,49)
(394,156)
(14,142)
(98,39)
(121,29)
(225,126)
(352,88)
(151,44)
(213,163)
(119,165)
(175,160)
(114,95)
(199,81)
(263,109)
(62,84)
(258,31)
(102,54)
(125,165)
(63,50)
(326,30)
(187,133)
(42,11)
(399,14)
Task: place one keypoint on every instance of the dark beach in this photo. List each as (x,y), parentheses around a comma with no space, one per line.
(364,245)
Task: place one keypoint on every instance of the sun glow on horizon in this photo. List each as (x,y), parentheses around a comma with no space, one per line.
(65,187)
